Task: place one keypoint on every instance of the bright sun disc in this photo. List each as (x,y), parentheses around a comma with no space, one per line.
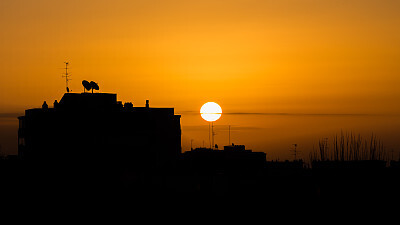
(211,111)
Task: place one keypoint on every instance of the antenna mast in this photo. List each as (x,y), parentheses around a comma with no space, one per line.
(66,76)
(229,139)
(209,134)
(295,151)
(212,133)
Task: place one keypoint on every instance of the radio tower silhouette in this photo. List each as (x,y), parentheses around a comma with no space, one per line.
(66,75)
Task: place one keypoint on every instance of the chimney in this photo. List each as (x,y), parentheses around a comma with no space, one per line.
(45,106)
(147,103)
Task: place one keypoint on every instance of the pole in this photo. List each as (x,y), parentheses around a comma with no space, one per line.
(209,133)
(212,132)
(66,74)
(229,140)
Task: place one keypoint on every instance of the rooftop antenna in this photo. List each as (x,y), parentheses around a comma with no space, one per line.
(86,86)
(66,75)
(229,139)
(295,151)
(212,145)
(209,134)
(94,85)
(213,134)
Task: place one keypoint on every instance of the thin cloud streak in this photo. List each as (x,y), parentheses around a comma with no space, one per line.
(286,114)
(10,115)
(221,127)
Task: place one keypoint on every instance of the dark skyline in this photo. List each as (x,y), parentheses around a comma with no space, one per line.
(133,153)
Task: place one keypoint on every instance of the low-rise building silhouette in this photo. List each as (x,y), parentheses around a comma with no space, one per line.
(234,158)
(97,127)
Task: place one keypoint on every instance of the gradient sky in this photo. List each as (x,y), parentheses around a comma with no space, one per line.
(250,56)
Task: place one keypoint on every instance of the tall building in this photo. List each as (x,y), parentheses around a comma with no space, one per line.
(95,127)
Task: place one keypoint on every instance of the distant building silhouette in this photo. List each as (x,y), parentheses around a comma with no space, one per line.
(234,158)
(96,127)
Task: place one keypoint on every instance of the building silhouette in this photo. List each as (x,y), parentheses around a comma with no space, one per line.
(92,143)
(95,127)
(232,159)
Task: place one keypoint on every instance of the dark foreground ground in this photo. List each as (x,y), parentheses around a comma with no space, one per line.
(79,182)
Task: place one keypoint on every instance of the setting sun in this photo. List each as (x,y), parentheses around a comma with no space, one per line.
(211,111)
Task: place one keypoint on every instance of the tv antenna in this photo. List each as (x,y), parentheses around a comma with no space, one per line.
(229,136)
(295,151)
(213,134)
(89,86)
(66,75)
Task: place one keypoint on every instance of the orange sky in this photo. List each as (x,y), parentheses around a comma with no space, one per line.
(250,56)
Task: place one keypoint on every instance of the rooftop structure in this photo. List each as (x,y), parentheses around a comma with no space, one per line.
(97,127)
